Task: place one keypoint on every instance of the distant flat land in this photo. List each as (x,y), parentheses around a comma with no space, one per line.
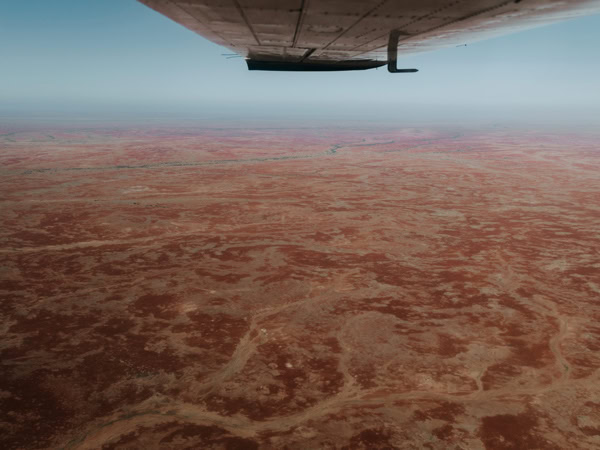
(302,288)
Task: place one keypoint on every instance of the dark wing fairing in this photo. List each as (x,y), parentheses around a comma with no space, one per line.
(314,66)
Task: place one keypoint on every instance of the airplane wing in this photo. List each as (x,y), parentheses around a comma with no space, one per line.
(314,35)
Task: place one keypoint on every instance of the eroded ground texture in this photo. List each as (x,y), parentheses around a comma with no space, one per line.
(301,288)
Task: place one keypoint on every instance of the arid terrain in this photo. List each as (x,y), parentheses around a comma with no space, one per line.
(338,287)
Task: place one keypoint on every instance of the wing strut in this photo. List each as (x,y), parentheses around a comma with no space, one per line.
(392,51)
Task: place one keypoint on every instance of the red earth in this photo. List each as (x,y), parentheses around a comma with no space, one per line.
(301,288)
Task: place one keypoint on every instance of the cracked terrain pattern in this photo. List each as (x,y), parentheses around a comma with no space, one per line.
(299,288)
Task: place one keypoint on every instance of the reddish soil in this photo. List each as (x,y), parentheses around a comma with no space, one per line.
(342,287)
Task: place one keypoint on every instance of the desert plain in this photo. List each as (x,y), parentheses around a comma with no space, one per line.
(299,287)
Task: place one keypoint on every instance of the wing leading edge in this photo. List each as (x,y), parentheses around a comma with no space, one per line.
(332,35)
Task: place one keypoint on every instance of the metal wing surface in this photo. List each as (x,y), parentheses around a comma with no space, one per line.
(356,34)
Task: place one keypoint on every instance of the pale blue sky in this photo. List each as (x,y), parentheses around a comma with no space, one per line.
(121,54)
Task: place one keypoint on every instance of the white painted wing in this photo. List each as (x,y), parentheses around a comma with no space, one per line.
(354,34)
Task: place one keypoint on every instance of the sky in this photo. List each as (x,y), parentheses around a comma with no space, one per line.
(121,55)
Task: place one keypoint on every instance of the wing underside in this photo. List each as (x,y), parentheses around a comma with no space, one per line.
(354,34)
